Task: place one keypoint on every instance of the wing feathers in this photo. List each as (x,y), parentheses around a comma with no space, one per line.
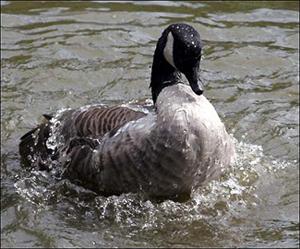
(79,128)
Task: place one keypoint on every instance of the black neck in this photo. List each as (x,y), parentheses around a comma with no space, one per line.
(163,74)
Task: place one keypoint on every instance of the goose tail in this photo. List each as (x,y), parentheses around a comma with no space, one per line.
(32,146)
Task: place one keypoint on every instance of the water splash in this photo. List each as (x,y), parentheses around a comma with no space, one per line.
(235,191)
(54,140)
(214,210)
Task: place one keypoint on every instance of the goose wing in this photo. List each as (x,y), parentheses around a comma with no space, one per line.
(96,121)
(88,124)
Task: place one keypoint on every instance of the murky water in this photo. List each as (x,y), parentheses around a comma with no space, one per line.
(59,54)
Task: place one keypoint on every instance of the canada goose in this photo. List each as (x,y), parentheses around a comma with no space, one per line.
(181,144)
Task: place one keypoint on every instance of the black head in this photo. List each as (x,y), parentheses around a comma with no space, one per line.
(178,51)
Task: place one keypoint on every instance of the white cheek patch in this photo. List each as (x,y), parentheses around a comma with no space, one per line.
(168,50)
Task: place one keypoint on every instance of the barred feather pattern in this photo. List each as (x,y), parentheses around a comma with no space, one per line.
(132,160)
(90,124)
(96,121)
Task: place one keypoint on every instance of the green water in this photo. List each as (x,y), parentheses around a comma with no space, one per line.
(68,54)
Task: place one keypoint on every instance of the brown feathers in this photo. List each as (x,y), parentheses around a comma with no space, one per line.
(79,127)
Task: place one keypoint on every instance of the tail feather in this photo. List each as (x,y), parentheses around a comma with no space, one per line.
(47,116)
(32,146)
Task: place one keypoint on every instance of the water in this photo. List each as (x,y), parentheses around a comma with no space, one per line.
(63,55)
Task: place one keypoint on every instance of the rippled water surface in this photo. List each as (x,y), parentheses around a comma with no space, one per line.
(58,54)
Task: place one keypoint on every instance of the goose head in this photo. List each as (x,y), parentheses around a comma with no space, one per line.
(178,51)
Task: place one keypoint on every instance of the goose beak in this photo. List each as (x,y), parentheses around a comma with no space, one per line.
(194,80)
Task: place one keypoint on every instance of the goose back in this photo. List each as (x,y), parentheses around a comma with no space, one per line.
(133,159)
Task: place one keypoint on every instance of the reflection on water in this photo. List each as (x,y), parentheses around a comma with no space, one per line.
(58,54)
